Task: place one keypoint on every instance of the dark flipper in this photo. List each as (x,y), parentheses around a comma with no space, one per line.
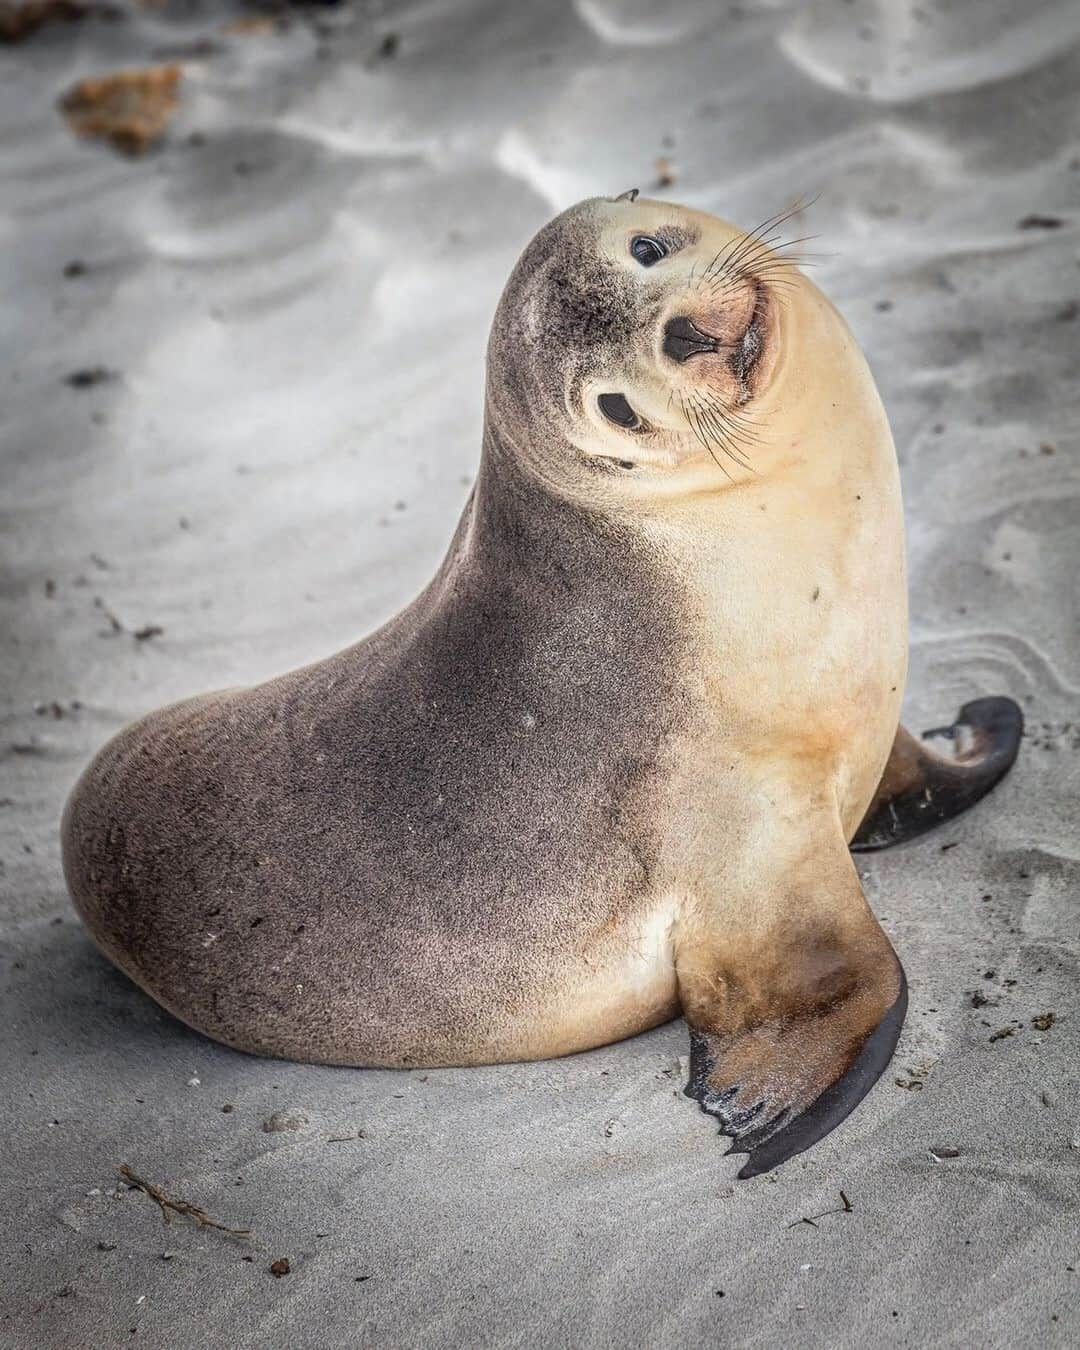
(769,1147)
(791,1023)
(921,789)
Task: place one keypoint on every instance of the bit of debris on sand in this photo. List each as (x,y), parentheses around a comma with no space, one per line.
(19,21)
(170,1206)
(130,108)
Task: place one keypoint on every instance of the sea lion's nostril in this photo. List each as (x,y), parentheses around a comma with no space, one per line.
(683,339)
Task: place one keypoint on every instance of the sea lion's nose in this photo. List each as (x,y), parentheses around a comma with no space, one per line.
(683,339)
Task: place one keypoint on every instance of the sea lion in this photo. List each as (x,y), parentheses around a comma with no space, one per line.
(607,765)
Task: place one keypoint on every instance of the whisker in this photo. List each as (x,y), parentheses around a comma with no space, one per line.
(757,242)
(772,223)
(742,429)
(773,266)
(766,258)
(735,244)
(732,439)
(753,243)
(780,262)
(708,270)
(733,258)
(708,420)
(691,422)
(780,280)
(725,445)
(750,425)
(758,232)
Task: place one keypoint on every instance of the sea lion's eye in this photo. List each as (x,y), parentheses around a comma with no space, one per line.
(616,409)
(647,250)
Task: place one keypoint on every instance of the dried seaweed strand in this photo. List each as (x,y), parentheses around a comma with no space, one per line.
(166,1204)
(846,1207)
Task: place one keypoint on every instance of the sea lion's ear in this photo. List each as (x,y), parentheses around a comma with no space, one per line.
(791,1023)
(631,195)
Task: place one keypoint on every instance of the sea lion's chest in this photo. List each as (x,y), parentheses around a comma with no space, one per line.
(798,616)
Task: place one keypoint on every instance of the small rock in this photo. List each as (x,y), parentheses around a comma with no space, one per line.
(280,1267)
(129,108)
(89,376)
(665,174)
(284,1120)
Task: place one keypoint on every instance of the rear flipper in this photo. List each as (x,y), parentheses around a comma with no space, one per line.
(921,789)
(795,1000)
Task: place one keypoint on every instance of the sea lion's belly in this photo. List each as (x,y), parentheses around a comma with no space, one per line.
(267,888)
(419,1003)
(611,987)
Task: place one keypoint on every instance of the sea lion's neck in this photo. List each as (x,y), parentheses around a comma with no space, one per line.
(519,524)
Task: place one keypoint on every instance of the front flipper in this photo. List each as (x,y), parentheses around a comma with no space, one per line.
(921,789)
(795,1000)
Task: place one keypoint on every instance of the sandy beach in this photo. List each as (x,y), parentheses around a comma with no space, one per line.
(227,448)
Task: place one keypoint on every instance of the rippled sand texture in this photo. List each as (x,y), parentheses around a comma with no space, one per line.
(290,297)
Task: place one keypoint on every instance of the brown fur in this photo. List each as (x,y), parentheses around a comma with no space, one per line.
(323,867)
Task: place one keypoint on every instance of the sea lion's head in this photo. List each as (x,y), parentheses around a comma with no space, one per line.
(643,348)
